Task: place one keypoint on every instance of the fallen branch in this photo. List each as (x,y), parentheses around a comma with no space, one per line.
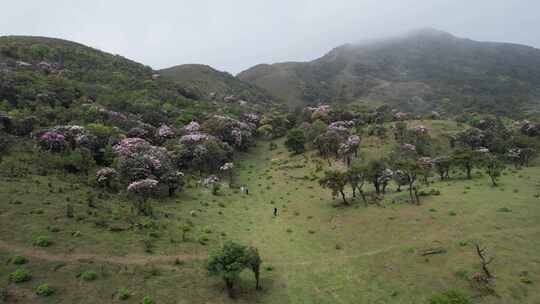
(438,250)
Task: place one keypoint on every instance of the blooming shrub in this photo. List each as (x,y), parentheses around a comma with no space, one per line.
(194,138)
(59,138)
(408,148)
(236,133)
(192,127)
(52,141)
(165,132)
(226,167)
(143,188)
(341,126)
(420,129)
(129,146)
(319,112)
(104,176)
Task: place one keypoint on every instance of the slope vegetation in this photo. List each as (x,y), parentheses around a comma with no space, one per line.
(425,69)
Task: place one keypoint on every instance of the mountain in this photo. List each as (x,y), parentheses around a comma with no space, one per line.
(422,70)
(47,81)
(216,84)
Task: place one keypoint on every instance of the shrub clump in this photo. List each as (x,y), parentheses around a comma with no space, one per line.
(123,294)
(20,275)
(19,260)
(42,241)
(148,300)
(89,275)
(450,297)
(44,290)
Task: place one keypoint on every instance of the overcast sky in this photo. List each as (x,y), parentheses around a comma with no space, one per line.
(233,35)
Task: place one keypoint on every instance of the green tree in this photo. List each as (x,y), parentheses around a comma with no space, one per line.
(296,141)
(374,172)
(357,178)
(316,129)
(39,51)
(328,144)
(466,158)
(336,181)
(400,132)
(494,167)
(228,262)
(254,262)
(442,166)
(410,169)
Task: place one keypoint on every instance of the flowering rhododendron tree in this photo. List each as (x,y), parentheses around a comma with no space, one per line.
(165,132)
(52,141)
(129,146)
(142,190)
(105,176)
(425,164)
(328,143)
(408,148)
(401,116)
(195,138)
(59,138)
(138,159)
(320,112)
(201,151)
(236,133)
(420,129)
(227,168)
(349,148)
(212,181)
(192,127)
(174,181)
(252,118)
(341,126)
(76,136)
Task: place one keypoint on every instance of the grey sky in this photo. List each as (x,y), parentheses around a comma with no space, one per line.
(233,35)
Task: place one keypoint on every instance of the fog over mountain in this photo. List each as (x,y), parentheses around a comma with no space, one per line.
(234,36)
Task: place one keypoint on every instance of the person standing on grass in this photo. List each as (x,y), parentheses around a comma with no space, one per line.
(247,191)
(275,211)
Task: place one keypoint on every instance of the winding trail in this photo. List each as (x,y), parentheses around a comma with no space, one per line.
(144,259)
(77,257)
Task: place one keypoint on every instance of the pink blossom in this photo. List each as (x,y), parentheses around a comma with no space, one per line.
(192,127)
(165,131)
(226,167)
(401,116)
(52,141)
(105,174)
(194,138)
(143,187)
(408,148)
(130,146)
(420,129)
(425,162)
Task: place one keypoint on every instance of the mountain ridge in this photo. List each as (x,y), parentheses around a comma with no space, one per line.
(416,71)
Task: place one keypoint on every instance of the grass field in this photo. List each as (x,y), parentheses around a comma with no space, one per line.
(314,251)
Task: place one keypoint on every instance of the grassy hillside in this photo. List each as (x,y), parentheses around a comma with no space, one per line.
(215,84)
(314,251)
(421,71)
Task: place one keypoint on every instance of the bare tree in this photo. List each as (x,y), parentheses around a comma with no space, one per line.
(483,261)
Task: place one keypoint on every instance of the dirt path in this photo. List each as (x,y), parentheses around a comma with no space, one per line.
(127,259)
(140,259)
